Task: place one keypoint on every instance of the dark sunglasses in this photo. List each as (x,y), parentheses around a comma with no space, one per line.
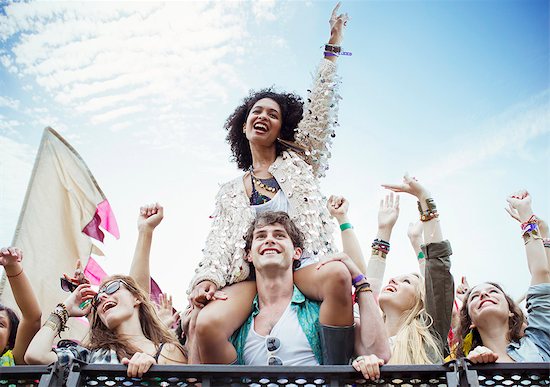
(110,288)
(67,285)
(272,345)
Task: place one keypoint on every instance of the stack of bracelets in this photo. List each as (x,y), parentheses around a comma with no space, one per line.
(361,285)
(430,213)
(332,50)
(380,247)
(57,321)
(530,230)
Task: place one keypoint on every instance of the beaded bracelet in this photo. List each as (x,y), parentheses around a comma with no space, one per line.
(421,255)
(381,246)
(430,213)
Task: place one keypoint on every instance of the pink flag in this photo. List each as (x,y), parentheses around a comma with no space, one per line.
(155,292)
(94,272)
(105,218)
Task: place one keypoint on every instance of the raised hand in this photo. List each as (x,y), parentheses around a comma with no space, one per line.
(411,186)
(10,256)
(462,289)
(520,204)
(79,302)
(166,311)
(414,231)
(78,277)
(388,211)
(150,216)
(338,207)
(337,23)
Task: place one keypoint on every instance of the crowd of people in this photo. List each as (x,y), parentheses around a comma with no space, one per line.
(273,288)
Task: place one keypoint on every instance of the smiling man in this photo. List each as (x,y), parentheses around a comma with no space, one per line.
(284,328)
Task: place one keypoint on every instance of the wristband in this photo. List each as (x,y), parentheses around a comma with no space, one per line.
(332,48)
(345,226)
(421,255)
(529,227)
(359,278)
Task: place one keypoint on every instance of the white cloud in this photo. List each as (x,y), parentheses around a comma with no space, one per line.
(509,131)
(9,102)
(106,61)
(264,10)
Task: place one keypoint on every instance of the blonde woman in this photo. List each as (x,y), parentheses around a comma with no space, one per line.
(416,310)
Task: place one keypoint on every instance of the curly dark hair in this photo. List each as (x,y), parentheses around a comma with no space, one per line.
(515,323)
(292,108)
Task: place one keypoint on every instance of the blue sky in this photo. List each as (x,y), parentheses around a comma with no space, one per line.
(456,93)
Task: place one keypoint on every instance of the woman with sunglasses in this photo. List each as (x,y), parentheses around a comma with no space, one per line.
(15,334)
(124,329)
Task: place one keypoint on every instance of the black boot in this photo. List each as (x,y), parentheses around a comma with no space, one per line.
(337,344)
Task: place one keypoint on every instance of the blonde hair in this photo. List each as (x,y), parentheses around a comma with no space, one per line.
(414,342)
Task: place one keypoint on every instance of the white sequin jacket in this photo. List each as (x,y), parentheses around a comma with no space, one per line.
(298,175)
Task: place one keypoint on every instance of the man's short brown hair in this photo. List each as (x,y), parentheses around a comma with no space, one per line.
(271,217)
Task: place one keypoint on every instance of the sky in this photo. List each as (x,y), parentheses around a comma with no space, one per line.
(454,92)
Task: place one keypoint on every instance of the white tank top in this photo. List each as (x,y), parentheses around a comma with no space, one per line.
(294,350)
(279,202)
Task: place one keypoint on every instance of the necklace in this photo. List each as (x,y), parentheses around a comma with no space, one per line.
(270,184)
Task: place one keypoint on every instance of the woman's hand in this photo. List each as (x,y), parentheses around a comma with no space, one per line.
(166,311)
(79,303)
(338,207)
(414,231)
(204,292)
(10,256)
(337,24)
(345,259)
(462,289)
(150,217)
(138,364)
(482,354)
(520,204)
(78,277)
(369,366)
(388,211)
(411,186)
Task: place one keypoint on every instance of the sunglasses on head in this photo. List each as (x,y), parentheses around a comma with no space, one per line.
(67,285)
(108,289)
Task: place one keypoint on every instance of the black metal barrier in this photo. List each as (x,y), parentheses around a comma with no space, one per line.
(453,374)
(31,376)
